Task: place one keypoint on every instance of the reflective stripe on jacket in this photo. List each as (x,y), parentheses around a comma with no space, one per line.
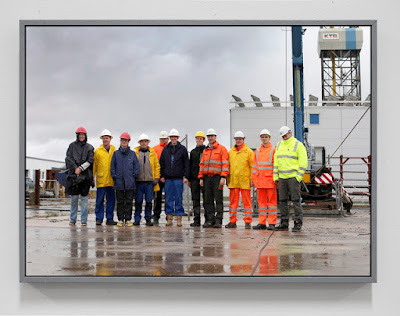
(155,165)
(102,166)
(263,166)
(290,159)
(240,165)
(214,161)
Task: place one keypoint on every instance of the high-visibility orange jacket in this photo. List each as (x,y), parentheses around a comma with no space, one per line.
(263,167)
(240,165)
(159,148)
(214,161)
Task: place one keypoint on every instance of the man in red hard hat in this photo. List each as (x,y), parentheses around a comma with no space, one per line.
(124,170)
(79,162)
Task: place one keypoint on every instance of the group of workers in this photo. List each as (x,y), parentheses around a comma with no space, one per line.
(144,173)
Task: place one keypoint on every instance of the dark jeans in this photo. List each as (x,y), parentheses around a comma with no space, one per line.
(212,191)
(124,204)
(158,201)
(196,189)
(290,186)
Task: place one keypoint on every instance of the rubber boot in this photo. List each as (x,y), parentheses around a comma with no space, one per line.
(271,227)
(284,225)
(297,226)
(169,220)
(148,222)
(260,227)
(230,225)
(179,221)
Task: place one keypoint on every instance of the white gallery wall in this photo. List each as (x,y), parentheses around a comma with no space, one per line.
(199,299)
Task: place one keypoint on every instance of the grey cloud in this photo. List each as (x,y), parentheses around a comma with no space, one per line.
(149,79)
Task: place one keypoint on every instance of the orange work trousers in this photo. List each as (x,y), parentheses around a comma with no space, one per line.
(267,206)
(234,195)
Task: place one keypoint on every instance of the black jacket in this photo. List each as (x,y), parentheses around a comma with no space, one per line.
(77,154)
(180,166)
(195,157)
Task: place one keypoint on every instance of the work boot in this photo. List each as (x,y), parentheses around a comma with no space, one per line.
(148,222)
(179,221)
(120,224)
(71,223)
(98,223)
(217,225)
(155,221)
(284,225)
(297,226)
(260,227)
(247,226)
(169,220)
(129,224)
(271,227)
(136,223)
(231,225)
(195,224)
(208,225)
(111,223)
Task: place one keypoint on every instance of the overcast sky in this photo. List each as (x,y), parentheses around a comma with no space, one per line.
(148,79)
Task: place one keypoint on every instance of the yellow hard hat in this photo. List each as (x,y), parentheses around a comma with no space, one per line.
(200,134)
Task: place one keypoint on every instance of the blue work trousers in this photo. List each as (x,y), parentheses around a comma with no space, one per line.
(109,194)
(145,189)
(173,197)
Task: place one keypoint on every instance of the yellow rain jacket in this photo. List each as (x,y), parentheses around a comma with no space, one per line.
(102,166)
(155,165)
(290,160)
(240,165)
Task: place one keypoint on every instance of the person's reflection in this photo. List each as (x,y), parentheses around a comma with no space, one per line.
(207,255)
(78,251)
(173,261)
(104,243)
(269,262)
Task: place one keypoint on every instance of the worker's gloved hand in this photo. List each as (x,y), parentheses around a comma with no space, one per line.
(276,182)
(155,181)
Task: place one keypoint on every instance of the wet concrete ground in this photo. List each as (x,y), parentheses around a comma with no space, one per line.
(327,246)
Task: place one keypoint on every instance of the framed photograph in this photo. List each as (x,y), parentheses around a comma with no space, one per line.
(198,151)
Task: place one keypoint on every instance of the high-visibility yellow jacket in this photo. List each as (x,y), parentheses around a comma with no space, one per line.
(240,165)
(155,165)
(290,160)
(263,166)
(102,166)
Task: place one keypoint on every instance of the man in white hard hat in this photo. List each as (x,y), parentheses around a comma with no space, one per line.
(174,164)
(214,169)
(147,180)
(263,169)
(158,199)
(104,182)
(239,180)
(194,182)
(290,164)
